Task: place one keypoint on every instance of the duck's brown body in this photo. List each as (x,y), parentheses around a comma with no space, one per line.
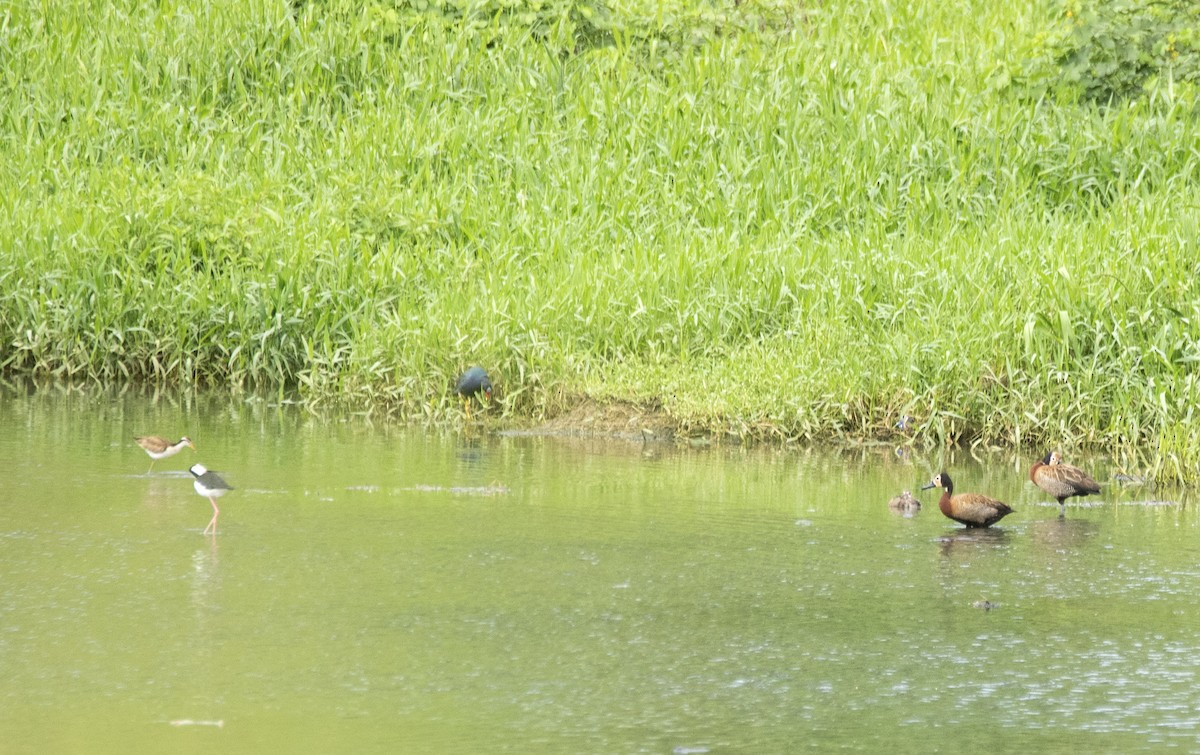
(1061,481)
(971,509)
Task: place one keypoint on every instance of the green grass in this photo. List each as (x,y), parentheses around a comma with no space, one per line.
(800,231)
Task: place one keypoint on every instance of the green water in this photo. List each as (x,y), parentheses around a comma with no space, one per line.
(381,589)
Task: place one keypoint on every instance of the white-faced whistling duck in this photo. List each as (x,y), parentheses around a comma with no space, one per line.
(1061,481)
(971,509)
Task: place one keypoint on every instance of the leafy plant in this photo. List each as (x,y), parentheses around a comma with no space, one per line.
(797,233)
(1111,50)
(572,24)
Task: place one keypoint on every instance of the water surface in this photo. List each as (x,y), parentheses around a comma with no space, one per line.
(376,588)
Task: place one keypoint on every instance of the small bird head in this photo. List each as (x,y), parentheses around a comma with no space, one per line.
(486,387)
(1054,457)
(940,480)
(186,439)
(198,469)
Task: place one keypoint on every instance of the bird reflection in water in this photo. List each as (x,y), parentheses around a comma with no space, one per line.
(972,540)
(1062,534)
(205,577)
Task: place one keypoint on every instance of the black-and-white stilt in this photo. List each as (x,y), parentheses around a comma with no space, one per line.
(212,487)
(160,448)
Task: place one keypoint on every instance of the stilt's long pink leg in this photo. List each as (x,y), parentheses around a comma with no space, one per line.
(216,513)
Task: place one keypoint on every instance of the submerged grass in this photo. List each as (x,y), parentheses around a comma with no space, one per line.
(802,232)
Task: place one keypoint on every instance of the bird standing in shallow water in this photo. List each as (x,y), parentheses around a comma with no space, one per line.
(212,487)
(160,448)
(1062,481)
(473,382)
(971,509)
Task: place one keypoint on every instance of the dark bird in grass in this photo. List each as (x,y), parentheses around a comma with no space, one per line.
(971,509)
(212,487)
(1061,481)
(905,504)
(472,383)
(160,448)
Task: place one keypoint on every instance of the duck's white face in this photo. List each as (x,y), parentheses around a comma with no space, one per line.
(198,469)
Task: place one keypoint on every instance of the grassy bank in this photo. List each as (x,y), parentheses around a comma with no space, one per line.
(800,231)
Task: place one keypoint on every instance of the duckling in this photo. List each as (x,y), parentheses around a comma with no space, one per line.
(904,503)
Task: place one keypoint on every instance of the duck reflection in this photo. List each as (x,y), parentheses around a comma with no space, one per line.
(972,540)
(1062,534)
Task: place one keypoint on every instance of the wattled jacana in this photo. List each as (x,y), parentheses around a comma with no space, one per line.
(160,448)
